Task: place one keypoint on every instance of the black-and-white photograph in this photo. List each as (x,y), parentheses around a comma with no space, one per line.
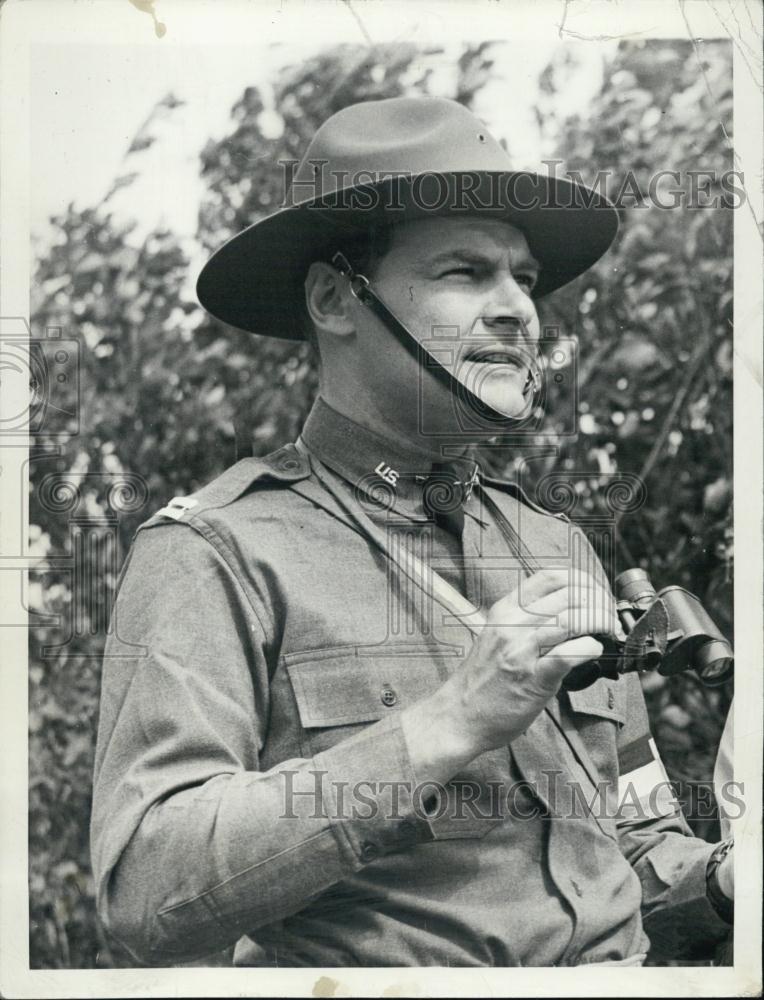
(382,489)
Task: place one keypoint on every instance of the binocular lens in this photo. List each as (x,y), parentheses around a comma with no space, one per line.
(714,661)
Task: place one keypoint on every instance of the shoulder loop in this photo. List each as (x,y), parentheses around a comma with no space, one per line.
(287,465)
(519,493)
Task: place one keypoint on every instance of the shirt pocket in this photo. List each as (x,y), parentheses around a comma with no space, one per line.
(605,699)
(599,712)
(339,692)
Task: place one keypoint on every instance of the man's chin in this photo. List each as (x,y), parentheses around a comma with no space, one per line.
(473,418)
(498,388)
(512,405)
(488,402)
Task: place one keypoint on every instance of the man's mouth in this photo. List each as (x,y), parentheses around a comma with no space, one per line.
(505,355)
(514,360)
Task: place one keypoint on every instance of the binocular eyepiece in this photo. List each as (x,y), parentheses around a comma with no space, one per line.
(668,631)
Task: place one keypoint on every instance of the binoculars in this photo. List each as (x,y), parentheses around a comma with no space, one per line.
(668,631)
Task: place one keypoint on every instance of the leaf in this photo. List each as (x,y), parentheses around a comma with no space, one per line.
(215,396)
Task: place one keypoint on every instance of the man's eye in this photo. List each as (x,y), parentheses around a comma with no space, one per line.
(464,270)
(526,280)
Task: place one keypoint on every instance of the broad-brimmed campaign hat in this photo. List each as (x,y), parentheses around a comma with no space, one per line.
(387,162)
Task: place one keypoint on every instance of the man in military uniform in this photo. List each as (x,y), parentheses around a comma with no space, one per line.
(334,729)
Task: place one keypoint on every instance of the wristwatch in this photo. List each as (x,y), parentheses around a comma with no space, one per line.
(723,905)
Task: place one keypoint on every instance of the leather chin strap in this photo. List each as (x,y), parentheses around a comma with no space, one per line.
(361,288)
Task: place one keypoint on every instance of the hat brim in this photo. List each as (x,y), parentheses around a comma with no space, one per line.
(252,282)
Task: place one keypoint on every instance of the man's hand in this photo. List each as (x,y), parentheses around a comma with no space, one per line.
(531,640)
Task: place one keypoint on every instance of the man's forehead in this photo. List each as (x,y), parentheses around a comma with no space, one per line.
(439,236)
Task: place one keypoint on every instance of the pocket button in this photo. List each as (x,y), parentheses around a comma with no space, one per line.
(369,851)
(389,697)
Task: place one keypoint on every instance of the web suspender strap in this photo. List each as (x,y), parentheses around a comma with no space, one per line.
(430,582)
(517,546)
(432,585)
(423,576)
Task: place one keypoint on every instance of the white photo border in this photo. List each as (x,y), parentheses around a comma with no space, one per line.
(24,23)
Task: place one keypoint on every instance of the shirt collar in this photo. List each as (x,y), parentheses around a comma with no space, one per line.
(379,466)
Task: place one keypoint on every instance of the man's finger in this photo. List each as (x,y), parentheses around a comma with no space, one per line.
(578,613)
(544,584)
(555,665)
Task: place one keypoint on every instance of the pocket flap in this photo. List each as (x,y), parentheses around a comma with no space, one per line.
(341,688)
(604,698)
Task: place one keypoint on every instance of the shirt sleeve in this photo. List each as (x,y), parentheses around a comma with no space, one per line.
(656,839)
(723,775)
(654,835)
(192,843)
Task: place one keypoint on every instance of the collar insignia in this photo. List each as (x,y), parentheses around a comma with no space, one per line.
(387,474)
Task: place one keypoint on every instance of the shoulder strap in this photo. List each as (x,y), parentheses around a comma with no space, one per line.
(287,465)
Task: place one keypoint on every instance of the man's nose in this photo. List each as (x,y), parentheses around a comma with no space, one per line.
(511,310)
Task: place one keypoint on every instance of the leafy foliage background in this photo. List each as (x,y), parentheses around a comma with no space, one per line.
(171,395)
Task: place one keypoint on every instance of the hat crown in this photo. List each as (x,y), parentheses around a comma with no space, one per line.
(400,136)
(454,165)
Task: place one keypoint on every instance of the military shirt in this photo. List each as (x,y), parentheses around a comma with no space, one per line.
(253,784)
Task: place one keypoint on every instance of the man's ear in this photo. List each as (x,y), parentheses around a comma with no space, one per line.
(328,300)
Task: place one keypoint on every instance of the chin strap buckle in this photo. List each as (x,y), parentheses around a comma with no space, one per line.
(533,381)
(472,482)
(358,282)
